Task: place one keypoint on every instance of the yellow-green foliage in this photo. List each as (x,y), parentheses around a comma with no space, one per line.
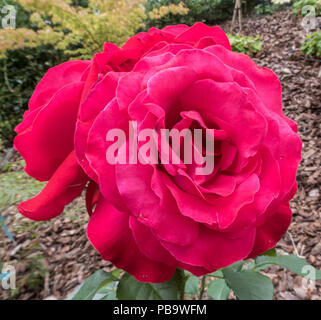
(16,39)
(69,27)
(175,9)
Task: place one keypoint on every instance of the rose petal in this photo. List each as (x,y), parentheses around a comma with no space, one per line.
(108,230)
(266,82)
(200,30)
(65,185)
(56,78)
(95,102)
(226,105)
(49,139)
(212,250)
(149,244)
(270,233)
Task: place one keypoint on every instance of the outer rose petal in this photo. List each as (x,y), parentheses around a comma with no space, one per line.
(66,184)
(112,59)
(290,156)
(213,250)
(266,82)
(97,99)
(200,30)
(148,243)
(270,233)
(204,64)
(176,29)
(49,139)
(108,119)
(56,78)
(144,41)
(108,230)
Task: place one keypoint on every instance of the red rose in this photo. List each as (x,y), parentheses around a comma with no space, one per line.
(153,218)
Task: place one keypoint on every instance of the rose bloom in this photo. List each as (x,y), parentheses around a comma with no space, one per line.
(150,219)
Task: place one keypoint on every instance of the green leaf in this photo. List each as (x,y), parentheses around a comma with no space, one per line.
(131,289)
(270,253)
(218,289)
(116,273)
(110,296)
(293,263)
(111,286)
(90,287)
(217,273)
(262,267)
(192,285)
(249,285)
(237,266)
(107,292)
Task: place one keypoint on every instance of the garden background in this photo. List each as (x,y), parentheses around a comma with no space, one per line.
(53,258)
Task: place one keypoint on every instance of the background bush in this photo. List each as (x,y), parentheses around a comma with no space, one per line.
(312,45)
(247,45)
(270,7)
(49,32)
(207,11)
(20,71)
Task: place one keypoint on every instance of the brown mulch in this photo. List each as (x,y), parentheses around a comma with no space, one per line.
(59,246)
(62,248)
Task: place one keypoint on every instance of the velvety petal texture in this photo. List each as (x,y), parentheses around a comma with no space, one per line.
(150,218)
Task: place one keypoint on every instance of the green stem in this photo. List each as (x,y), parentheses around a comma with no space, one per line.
(183,291)
(182,284)
(200,297)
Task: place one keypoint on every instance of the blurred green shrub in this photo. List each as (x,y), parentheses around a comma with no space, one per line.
(312,45)
(20,72)
(272,7)
(264,9)
(247,45)
(49,32)
(207,11)
(76,30)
